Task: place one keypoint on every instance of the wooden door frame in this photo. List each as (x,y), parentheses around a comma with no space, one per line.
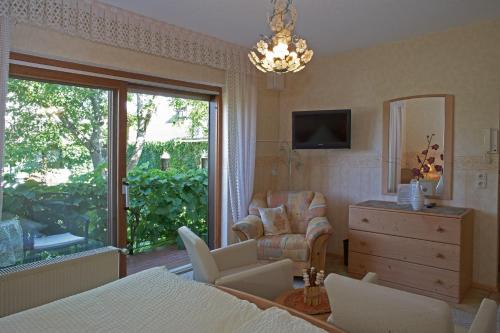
(215,153)
(124,76)
(46,69)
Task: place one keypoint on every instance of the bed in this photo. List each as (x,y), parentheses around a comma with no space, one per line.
(156,300)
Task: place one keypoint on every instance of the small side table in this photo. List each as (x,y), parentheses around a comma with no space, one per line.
(294,299)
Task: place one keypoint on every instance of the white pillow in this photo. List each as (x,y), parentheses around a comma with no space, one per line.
(275,221)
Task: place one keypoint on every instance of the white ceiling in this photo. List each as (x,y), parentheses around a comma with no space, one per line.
(330,26)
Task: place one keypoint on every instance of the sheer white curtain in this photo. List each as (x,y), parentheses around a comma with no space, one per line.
(95,21)
(4,76)
(395,142)
(241,107)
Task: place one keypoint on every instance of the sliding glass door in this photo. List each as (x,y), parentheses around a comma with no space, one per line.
(56,171)
(72,139)
(168,179)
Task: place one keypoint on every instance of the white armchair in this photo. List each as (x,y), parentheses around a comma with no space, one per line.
(363,306)
(236,266)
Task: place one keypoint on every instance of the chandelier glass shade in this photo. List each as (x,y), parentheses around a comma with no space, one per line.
(283,52)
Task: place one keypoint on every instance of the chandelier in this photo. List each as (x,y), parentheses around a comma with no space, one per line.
(283,52)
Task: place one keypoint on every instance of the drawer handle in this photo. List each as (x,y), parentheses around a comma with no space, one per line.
(440,255)
(365,220)
(439,229)
(438,281)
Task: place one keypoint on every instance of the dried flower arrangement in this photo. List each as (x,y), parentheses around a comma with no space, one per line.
(426,160)
(313,281)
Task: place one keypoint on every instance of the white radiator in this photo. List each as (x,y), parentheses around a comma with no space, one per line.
(26,286)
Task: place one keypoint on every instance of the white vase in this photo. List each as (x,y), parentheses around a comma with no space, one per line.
(417,196)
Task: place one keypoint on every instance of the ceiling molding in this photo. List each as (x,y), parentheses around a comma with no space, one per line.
(117,27)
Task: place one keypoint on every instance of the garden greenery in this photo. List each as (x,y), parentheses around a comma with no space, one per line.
(183,155)
(63,127)
(160,201)
(163,201)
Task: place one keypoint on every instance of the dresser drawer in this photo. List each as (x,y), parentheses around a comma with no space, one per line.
(406,224)
(417,251)
(421,277)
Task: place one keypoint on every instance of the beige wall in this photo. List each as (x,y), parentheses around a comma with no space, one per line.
(47,43)
(464,62)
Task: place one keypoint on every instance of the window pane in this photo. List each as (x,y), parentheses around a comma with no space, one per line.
(55,193)
(167,161)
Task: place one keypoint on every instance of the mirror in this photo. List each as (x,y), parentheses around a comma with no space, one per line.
(418,143)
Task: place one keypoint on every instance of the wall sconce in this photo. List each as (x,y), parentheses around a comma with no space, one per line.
(165,161)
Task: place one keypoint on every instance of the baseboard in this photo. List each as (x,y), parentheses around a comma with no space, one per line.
(491,289)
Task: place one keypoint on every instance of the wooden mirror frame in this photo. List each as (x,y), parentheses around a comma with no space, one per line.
(449,107)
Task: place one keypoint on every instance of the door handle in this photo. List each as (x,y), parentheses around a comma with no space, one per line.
(125,185)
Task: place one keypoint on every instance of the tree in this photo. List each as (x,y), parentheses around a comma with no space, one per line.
(145,107)
(55,126)
(196,112)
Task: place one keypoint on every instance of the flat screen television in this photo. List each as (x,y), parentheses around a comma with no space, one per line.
(321,129)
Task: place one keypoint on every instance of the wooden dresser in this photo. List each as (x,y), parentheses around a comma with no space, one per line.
(427,252)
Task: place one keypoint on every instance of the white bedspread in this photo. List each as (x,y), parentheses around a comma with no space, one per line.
(152,301)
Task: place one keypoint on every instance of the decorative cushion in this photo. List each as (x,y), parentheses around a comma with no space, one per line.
(33,227)
(297,206)
(292,246)
(275,221)
(11,242)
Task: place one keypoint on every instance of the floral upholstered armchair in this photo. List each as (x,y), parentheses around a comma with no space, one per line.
(304,237)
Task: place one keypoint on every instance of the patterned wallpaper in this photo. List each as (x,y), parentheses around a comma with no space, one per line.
(464,62)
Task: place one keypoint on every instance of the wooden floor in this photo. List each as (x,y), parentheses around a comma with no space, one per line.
(167,256)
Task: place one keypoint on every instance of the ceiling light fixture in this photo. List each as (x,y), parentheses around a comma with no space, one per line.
(283,52)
